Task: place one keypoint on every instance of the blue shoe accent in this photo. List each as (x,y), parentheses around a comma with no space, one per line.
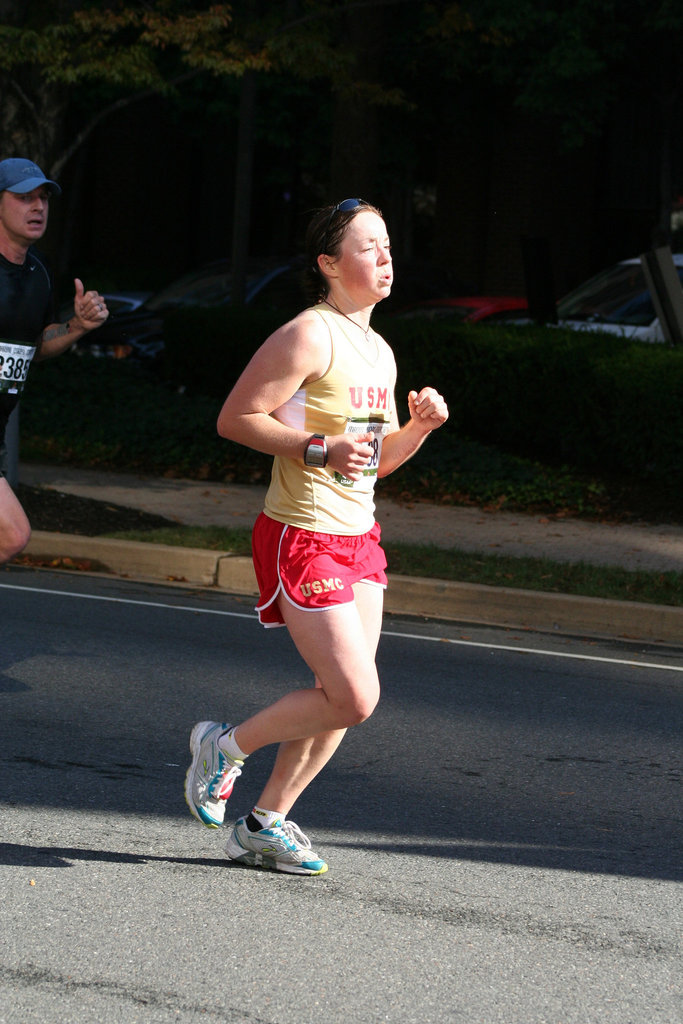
(280,847)
(210,777)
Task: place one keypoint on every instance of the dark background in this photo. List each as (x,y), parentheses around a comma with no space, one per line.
(156,195)
(490,134)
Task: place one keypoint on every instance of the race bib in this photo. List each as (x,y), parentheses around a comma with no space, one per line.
(378,428)
(15,359)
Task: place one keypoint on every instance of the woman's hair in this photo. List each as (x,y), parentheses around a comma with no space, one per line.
(325,234)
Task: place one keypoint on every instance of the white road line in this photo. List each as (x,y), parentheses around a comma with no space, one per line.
(403,636)
(129,600)
(537,650)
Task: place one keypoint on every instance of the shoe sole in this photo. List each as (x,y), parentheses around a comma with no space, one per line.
(195,747)
(248,858)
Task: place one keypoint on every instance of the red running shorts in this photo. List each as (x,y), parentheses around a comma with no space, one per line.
(314,571)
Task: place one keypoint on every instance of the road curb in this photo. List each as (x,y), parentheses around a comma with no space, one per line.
(417,596)
(533,609)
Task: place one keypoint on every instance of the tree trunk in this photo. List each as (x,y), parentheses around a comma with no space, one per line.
(32,111)
(243,176)
(31,117)
(353,171)
(667,105)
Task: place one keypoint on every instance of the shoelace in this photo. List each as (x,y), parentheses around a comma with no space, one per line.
(221,789)
(293,832)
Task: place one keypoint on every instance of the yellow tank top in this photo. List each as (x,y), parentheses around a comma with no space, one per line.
(355,394)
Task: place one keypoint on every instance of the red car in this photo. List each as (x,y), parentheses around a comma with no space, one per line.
(469,308)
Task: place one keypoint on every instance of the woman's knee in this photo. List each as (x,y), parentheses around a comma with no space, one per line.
(358,706)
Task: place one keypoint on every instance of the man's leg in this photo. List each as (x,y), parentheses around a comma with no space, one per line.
(15,529)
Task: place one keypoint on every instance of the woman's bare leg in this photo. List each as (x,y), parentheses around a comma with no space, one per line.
(299,760)
(296,765)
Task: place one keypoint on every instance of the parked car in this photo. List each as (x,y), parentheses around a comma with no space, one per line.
(470,308)
(617,300)
(418,281)
(135,327)
(138,331)
(118,304)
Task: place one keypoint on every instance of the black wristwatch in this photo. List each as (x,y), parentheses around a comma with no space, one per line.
(315,452)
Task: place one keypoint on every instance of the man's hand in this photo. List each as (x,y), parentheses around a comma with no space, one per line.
(90,309)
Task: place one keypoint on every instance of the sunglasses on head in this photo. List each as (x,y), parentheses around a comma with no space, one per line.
(343,207)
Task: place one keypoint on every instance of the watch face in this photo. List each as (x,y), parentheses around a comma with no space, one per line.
(315,453)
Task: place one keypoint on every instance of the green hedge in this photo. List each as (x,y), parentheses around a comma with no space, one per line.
(592,400)
(540,419)
(112,414)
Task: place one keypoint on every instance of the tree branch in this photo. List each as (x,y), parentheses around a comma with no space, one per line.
(125,101)
(25,100)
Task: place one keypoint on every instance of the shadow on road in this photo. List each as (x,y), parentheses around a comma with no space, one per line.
(23,855)
(473,754)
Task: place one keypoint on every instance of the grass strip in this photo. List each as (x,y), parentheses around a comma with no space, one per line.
(433,562)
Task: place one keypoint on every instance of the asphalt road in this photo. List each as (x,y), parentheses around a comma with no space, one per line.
(503,835)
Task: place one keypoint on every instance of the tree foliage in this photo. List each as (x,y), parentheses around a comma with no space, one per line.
(575,60)
(546,55)
(378,86)
(50,50)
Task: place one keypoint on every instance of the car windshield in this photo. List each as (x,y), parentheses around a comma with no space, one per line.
(619,296)
(206,287)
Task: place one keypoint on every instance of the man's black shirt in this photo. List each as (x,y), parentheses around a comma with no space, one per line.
(26,308)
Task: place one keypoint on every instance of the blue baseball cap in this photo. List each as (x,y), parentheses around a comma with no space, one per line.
(17,175)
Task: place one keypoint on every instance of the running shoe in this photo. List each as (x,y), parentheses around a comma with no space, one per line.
(210,777)
(281,847)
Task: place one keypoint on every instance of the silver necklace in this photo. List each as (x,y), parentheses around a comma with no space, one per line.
(366,331)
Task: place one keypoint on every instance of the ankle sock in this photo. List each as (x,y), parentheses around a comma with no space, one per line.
(227,744)
(261,818)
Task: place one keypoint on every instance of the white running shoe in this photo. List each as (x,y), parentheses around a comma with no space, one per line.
(210,777)
(281,847)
